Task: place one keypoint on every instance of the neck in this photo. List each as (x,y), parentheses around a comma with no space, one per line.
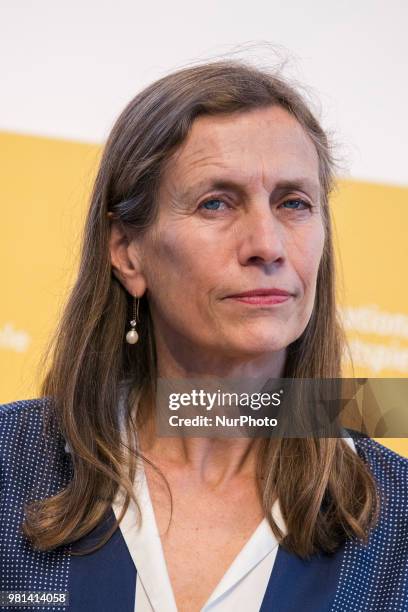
(212,460)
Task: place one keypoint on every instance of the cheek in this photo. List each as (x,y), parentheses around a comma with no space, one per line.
(308,259)
(175,264)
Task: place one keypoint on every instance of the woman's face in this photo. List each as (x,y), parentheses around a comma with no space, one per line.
(239,211)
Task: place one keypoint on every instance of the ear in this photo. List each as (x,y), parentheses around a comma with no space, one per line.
(125,259)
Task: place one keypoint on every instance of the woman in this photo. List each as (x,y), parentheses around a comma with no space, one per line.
(207,253)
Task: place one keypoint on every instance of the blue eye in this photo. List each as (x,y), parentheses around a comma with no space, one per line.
(209,204)
(297,201)
(296,204)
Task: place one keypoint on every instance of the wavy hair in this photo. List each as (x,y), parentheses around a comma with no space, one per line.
(325,490)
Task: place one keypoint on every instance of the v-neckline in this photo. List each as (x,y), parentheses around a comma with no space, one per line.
(146,549)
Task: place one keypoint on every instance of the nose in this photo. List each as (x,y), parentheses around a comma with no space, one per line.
(262,240)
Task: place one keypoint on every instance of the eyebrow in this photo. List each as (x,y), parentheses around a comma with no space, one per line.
(302,184)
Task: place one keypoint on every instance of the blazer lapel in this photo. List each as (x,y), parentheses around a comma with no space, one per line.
(307,585)
(104,580)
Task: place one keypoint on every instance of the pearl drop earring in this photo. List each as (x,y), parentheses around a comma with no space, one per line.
(132,336)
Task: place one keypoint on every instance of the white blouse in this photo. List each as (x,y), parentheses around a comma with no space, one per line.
(242,587)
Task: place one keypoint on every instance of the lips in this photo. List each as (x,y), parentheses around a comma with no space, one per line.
(262,292)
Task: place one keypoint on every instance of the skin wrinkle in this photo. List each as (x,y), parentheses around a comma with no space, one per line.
(256,238)
(200,158)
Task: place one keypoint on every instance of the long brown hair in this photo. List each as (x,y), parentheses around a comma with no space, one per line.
(325,490)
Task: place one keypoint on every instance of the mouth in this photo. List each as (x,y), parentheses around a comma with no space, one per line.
(262,296)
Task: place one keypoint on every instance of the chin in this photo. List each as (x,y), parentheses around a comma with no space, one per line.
(265,338)
(262,345)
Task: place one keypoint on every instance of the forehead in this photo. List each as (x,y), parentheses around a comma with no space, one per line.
(266,144)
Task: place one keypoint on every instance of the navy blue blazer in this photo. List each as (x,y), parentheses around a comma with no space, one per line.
(356,578)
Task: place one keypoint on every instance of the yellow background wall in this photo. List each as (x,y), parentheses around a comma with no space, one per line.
(44,191)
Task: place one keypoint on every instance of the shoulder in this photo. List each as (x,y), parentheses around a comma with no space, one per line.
(390,471)
(379,567)
(20,419)
(29,449)
(17,408)
(381,457)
